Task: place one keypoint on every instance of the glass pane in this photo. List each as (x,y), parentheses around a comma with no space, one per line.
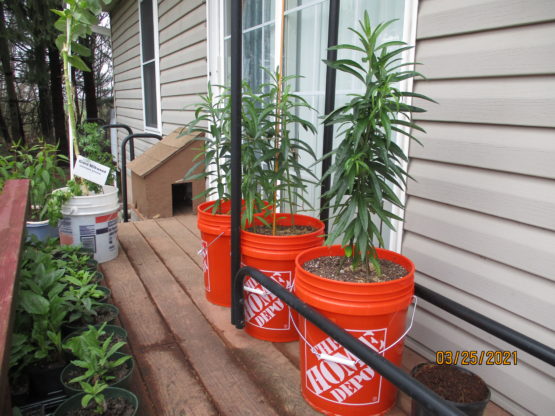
(151,108)
(227,18)
(252,57)
(252,13)
(147,30)
(269,10)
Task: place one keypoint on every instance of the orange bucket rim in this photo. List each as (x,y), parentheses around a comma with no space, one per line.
(299,266)
(290,237)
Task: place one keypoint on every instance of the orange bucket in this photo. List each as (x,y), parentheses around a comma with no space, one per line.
(372,312)
(266,316)
(215,236)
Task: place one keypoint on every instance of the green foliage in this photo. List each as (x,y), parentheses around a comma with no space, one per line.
(91,142)
(58,198)
(41,308)
(75,22)
(93,392)
(272,170)
(82,295)
(41,165)
(367,164)
(212,121)
(94,355)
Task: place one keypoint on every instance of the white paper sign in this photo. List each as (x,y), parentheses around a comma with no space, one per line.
(91,171)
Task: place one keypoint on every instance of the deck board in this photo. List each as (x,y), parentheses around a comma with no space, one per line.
(229,386)
(268,366)
(191,360)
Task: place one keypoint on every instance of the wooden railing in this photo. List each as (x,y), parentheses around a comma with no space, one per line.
(13,209)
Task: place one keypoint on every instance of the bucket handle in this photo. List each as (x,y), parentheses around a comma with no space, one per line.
(264,292)
(352,363)
(202,251)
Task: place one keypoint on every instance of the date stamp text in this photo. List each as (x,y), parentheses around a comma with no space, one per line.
(476,357)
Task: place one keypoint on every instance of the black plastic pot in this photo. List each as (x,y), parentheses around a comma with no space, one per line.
(470,409)
(107,293)
(123,383)
(45,382)
(74,402)
(68,328)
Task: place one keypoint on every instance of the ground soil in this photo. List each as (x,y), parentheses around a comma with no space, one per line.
(115,407)
(118,373)
(453,384)
(282,230)
(339,268)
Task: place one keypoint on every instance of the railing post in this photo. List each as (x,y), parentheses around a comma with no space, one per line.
(13,211)
(129,132)
(124,167)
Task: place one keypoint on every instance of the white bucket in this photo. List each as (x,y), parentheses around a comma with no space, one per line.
(92,221)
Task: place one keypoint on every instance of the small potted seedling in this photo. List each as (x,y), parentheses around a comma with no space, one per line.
(96,360)
(99,399)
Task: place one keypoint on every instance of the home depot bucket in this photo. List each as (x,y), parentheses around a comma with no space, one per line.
(372,312)
(266,316)
(215,236)
(92,221)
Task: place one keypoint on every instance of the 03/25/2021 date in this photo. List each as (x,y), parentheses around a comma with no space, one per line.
(476,357)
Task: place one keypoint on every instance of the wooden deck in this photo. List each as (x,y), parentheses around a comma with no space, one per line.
(190,359)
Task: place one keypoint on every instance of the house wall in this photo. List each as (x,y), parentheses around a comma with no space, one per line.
(480,215)
(183,67)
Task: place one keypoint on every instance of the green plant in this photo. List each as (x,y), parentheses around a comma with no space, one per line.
(368,162)
(82,296)
(58,198)
(40,164)
(93,392)
(95,356)
(212,121)
(41,309)
(74,22)
(271,162)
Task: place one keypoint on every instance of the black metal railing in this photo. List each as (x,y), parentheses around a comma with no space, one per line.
(124,167)
(129,132)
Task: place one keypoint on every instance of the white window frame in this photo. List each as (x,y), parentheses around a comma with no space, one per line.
(158,128)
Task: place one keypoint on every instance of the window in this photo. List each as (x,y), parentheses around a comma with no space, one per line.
(149,63)
(305,46)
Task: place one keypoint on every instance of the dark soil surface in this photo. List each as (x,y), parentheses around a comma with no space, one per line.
(282,230)
(103,315)
(115,407)
(118,373)
(453,384)
(339,268)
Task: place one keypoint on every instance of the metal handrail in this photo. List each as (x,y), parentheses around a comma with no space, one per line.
(525,343)
(129,132)
(395,375)
(124,167)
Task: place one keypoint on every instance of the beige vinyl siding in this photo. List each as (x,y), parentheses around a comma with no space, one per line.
(182,63)
(480,215)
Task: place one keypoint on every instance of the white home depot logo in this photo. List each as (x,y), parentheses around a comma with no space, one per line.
(204,254)
(267,311)
(351,385)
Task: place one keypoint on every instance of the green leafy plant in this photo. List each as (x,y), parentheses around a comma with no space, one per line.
(272,170)
(40,164)
(212,122)
(368,162)
(95,356)
(82,296)
(93,393)
(41,310)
